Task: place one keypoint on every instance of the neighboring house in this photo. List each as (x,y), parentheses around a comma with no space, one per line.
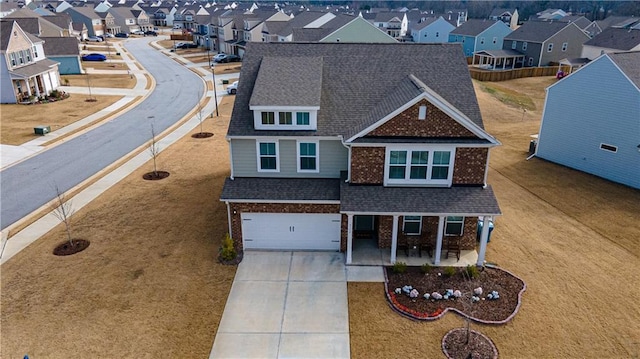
(543,42)
(109,22)
(24,70)
(508,16)
(612,40)
(162,16)
(124,19)
(356,30)
(36,24)
(64,51)
(591,119)
(332,145)
(432,30)
(551,14)
(142,20)
(479,35)
(282,30)
(395,24)
(89,18)
(7,8)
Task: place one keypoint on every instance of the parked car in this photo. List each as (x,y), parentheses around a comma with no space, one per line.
(122,34)
(94,39)
(184,45)
(94,57)
(232,58)
(137,32)
(108,35)
(219,56)
(150,33)
(233,88)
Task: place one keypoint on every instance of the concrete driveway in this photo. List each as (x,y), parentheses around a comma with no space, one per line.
(286,305)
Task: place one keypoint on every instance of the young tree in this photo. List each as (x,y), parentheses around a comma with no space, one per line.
(154,149)
(63,210)
(199,114)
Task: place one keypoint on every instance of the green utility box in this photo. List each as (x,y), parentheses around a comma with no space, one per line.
(42,130)
(225,82)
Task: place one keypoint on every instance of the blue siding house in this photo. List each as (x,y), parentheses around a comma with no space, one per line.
(591,119)
(477,35)
(432,30)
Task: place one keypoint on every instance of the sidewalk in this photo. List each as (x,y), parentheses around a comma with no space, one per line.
(8,248)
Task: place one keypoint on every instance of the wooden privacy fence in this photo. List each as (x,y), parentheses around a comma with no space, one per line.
(187,37)
(504,75)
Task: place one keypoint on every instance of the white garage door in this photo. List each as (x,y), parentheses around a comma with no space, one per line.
(291,231)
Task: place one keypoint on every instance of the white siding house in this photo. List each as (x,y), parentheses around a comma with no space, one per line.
(591,119)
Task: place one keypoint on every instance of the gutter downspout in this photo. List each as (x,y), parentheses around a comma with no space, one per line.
(230,159)
(348,159)
(486,168)
(229,218)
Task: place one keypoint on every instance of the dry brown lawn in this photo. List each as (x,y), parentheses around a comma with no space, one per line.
(106,65)
(101,80)
(17,121)
(149,286)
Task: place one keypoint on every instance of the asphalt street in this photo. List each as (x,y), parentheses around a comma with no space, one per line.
(28,185)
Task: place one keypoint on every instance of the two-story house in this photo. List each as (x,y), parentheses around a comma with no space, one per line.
(124,18)
(480,35)
(332,144)
(612,40)
(432,30)
(24,69)
(395,24)
(89,18)
(508,16)
(543,42)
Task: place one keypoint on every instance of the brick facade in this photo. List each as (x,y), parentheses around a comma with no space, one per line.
(239,208)
(406,124)
(469,165)
(367,165)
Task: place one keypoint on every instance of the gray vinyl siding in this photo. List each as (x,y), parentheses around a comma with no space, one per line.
(574,38)
(333,159)
(595,105)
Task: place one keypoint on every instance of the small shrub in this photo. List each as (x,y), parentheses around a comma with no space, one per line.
(65,81)
(449,271)
(472,271)
(425,268)
(399,267)
(227,251)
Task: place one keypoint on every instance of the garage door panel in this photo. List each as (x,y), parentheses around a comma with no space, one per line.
(291,231)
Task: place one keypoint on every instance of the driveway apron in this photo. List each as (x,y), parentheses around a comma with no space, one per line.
(286,305)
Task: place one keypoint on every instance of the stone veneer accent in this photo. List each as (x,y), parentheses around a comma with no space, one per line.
(367,165)
(437,124)
(430,226)
(469,165)
(236,221)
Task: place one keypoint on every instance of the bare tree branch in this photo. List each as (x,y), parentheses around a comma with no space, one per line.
(63,210)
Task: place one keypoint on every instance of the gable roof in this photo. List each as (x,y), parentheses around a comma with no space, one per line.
(473,27)
(60,46)
(358,84)
(628,63)
(30,25)
(501,11)
(5,34)
(424,23)
(288,81)
(537,31)
(86,12)
(616,38)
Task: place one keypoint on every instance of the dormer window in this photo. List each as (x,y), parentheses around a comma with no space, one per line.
(268,118)
(302,118)
(285,119)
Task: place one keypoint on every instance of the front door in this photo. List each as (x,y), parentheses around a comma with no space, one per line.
(364,226)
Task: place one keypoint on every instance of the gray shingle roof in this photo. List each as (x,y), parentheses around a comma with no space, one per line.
(281,189)
(358,80)
(35,68)
(629,64)
(310,35)
(426,22)
(616,38)
(288,81)
(5,34)
(422,200)
(473,27)
(536,31)
(30,25)
(60,46)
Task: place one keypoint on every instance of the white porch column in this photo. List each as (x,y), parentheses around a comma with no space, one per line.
(349,238)
(394,239)
(484,236)
(436,256)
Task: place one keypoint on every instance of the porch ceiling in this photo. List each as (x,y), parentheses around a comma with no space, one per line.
(419,200)
(34,69)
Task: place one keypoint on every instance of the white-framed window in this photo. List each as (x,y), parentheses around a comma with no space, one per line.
(35,52)
(419,166)
(482,40)
(285,118)
(28,54)
(565,45)
(454,226)
(12,56)
(524,46)
(267,156)
(268,118)
(514,44)
(20,58)
(550,47)
(495,40)
(609,148)
(422,112)
(412,224)
(308,157)
(302,118)
(531,61)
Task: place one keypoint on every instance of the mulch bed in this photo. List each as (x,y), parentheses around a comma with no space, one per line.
(480,346)
(154,176)
(66,249)
(202,135)
(232,262)
(498,311)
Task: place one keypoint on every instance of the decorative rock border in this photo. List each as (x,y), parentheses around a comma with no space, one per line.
(486,338)
(413,314)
